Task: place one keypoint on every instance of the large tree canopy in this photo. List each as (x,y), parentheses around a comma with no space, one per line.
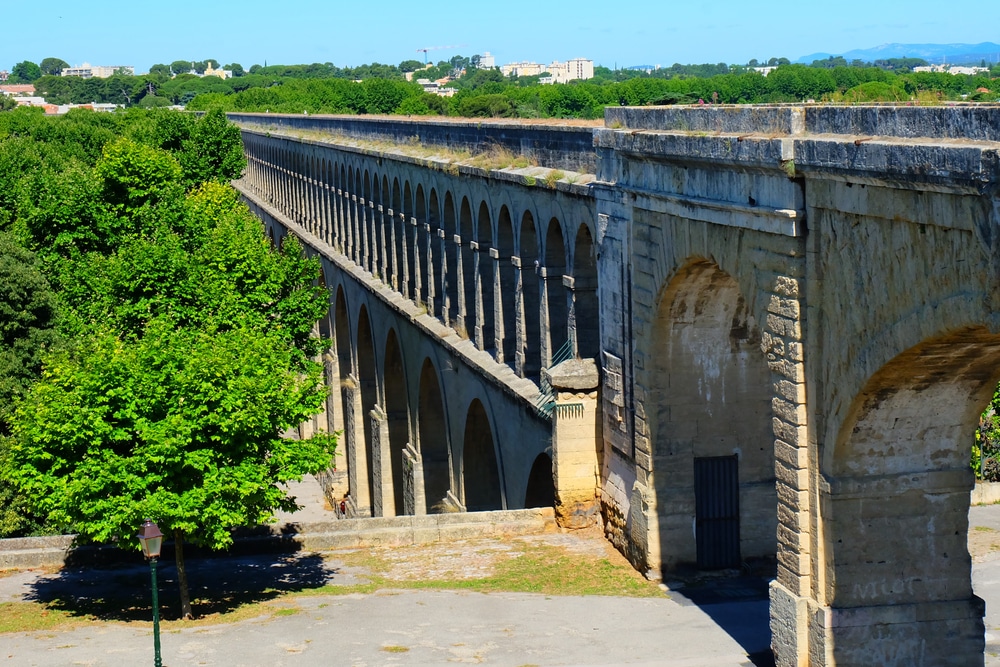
(190,348)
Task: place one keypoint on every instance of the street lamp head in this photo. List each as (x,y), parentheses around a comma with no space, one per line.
(151,539)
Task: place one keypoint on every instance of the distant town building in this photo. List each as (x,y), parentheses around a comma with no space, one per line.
(571,70)
(648,69)
(88,71)
(764,70)
(486,61)
(558,72)
(221,73)
(4,75)
(437,87)
(951,69)
(523,68)
(15,90)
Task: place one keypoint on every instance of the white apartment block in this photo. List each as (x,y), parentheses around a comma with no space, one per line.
(486,61)
(952,69)
(87,71)
(559,72)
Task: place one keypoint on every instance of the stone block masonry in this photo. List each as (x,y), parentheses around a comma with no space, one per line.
(803,299)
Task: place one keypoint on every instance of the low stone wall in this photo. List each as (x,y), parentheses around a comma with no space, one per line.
(971,123)
(986,493)
(22,553)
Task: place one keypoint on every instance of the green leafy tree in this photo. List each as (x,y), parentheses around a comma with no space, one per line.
(160,71)
(7,103)
(214,150)
(181,67)
(28,314)
(53,66)
(410,65)
(235,68)
(25,72)
(182,426)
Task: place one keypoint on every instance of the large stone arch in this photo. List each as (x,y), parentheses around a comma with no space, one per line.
(480,470)
(353,441)
(708,408)
(368,380)
(432,429)
(893,563)
(396,414)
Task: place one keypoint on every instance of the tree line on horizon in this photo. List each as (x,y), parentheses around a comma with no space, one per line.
(381,88)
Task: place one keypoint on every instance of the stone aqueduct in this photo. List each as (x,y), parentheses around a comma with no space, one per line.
(731,333)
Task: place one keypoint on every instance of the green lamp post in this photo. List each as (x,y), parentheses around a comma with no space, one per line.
(151,540)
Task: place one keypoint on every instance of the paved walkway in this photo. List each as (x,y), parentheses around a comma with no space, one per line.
(405,627)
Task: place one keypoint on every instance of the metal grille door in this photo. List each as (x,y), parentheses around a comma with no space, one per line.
(717,511)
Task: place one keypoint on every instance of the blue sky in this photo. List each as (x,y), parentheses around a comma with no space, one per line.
(115,32)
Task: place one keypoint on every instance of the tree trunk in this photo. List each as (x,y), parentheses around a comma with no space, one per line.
(182,579)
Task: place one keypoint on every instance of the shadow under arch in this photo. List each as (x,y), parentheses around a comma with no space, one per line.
(894,521)
(432,431)
(397,415)
(709,409)
(367,376)
(713,502)
(541,490)
(480,472)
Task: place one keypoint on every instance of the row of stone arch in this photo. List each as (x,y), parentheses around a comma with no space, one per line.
(402,454)
(501,272)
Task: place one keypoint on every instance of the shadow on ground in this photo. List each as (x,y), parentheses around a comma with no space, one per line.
(737,602)
(217,585)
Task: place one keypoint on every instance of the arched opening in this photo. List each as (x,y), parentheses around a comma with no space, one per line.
(531,349)
(397,415)
(541,488)
(486,336)
(435,257)
(555,291)
(505,287)
(709,408)
(377,241)
(357,479)
(480,473)
(433,433)
(395,236)
(529,293)
(450,306)
(406,239)
(353,235)
(468,287)
(419,236)
(895,515)
(369,399)
(585,309)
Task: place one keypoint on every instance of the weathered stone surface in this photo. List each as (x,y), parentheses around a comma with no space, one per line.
(573,375)
(811,292)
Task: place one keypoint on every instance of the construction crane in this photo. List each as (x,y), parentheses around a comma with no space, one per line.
(439,48)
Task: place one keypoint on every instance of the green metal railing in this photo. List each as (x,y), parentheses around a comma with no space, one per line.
(547,401)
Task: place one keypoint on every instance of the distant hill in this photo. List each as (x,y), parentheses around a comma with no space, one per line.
(958,54)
